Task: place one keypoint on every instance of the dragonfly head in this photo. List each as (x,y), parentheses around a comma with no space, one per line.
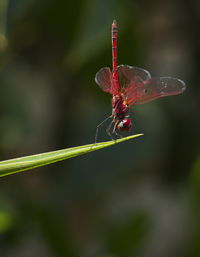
(125,125)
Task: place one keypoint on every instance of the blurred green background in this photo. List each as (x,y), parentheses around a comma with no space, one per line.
(140,198)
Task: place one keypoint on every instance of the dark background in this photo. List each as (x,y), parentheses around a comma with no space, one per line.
(138,198)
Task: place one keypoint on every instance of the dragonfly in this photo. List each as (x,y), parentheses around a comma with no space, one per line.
(129,86)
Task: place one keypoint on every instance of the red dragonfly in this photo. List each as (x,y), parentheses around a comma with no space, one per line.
(130,85)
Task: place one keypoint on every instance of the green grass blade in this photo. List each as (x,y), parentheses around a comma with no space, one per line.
(32,161)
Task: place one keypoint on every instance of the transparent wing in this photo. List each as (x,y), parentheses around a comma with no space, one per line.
(131,79)
(138,87)
(156,88)
(104,79)
(131,76)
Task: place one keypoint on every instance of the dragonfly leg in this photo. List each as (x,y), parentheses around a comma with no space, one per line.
(117,134)
(114,128)
(108,130)
(97,129)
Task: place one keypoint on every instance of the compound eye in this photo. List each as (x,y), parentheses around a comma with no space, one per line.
(120,125)
(124,125)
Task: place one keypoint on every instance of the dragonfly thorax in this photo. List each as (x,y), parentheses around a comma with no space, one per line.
(120,108)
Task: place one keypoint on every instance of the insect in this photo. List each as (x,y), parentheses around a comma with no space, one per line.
(129,86)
